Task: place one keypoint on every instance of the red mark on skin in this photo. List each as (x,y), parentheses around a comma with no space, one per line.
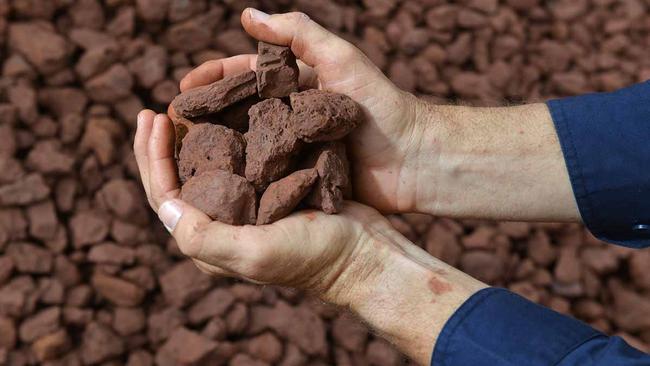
(311,216)
(521,132)
(438,287)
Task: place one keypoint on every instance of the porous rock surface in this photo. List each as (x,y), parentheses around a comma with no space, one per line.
(223,196)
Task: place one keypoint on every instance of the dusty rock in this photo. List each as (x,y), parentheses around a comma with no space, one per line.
(127,321)
(223,196)
(40,44)
(111,85)
(183,284)
(89,227)
(270,142)
(109,253)
(30,258)
(282,196)
(24,191)
(41,324)
(277,71)
(185,347)
(43,222)
(209,147)
(214,304)
(117,290)
(349,333)
(7,333)
(324,116)
(214,97)
(333,178)
(100,344)
(51,345)
(265,347)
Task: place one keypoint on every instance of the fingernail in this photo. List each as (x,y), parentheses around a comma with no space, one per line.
(140,118)
(258,15)
(169,213)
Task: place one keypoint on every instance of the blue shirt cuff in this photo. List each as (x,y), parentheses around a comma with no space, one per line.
(605,141)
(498,327)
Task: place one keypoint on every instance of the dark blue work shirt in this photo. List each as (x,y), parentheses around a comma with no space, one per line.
(605,140)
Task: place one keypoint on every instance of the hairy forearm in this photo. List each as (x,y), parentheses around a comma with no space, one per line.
(409,295)
(492,163)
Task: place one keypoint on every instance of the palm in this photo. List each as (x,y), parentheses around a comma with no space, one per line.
(378,147)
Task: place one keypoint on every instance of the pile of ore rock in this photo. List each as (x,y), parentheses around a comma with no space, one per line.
(237,139)
(88,275)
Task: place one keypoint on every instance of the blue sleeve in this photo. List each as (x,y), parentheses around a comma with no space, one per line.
(496,327)
(605,138)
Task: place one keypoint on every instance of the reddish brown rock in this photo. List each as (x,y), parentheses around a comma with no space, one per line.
(216,96)
(111,85)
(40,44)
(6,268)
(99,344)
(124,199)
(483,265)
(30,258)
(185,347)
(109,253)
(48,156)
(117,290)
(282,196)
(89,227)
(41,324)
(277,71)
(639,263)
(349,332)
(324,116)
(270,142)
(184,283)
(43,222)
(127,321)
(630,309)
(209,147)
(214,304)
(51,346)
(265,347)
(223,196)
(7,333)
(381,353)
(25,190)
(333,182)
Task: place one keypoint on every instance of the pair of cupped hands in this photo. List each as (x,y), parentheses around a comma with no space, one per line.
(332,256)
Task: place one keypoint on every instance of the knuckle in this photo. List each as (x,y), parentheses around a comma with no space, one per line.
(195,241)
(299,17)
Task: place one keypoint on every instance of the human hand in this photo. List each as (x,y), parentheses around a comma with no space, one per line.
(309,250)
(382,147)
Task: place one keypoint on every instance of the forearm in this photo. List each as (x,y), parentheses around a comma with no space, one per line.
(493,163)
(410,295)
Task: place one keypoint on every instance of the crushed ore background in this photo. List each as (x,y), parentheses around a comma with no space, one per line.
(88,276)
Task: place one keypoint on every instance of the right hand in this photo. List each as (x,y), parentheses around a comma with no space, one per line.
(385,145)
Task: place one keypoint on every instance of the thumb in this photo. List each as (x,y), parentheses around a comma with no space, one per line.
(309,41)
(198,236)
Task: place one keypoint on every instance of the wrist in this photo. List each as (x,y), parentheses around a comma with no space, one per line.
(408,295)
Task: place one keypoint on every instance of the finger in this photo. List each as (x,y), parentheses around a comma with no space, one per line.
(140,143)
(309,41)
(163,179)
(197,236)
(211,71)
